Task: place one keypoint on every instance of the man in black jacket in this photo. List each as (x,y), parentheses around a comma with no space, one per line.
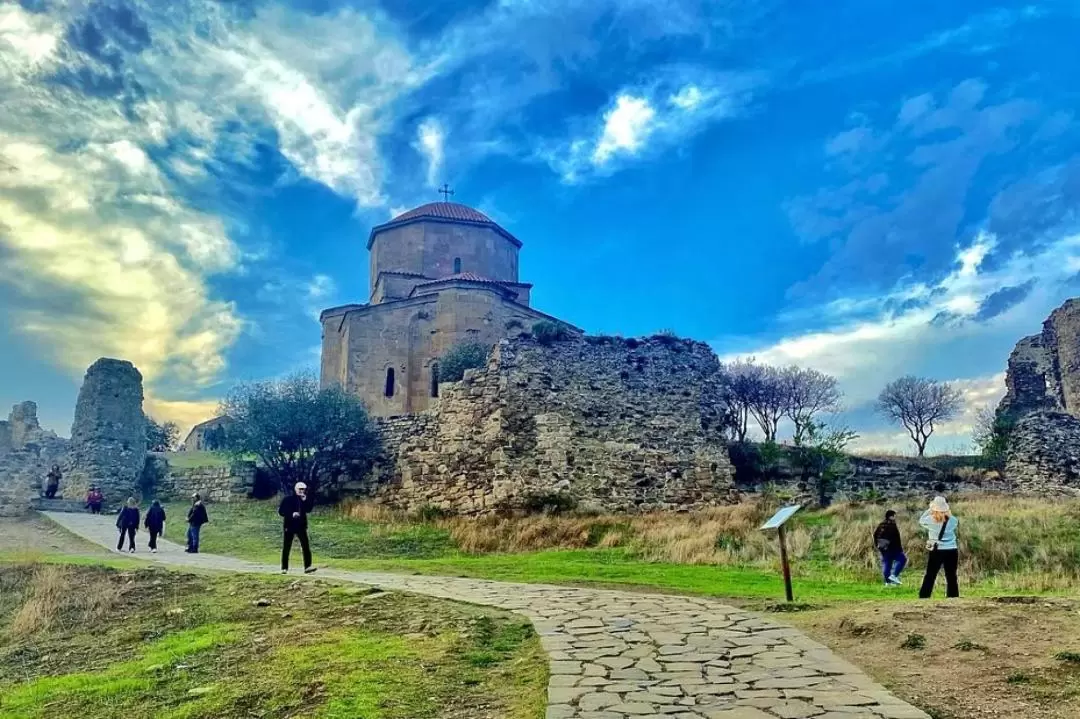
(294,511)
(128,523)
(887,542)
(196,518)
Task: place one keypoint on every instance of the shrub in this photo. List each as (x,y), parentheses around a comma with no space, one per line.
(548,503)
(1068,657)
(462,357)
(547,333)
(429,513)
(914,641)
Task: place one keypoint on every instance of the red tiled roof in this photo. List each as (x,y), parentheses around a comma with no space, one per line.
(445,211)
(442,212)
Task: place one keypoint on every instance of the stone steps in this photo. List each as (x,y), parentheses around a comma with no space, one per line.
(68,506)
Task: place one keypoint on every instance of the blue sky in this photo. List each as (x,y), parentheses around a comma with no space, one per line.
(878,189)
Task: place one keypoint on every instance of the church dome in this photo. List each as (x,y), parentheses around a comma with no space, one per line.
(445,211)
(451,212)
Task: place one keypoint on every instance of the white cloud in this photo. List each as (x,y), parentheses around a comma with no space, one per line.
(626,127)
(645,120)
(930,330)
(430,140)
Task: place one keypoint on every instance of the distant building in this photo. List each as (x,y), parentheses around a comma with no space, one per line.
(208,436)
(440,275)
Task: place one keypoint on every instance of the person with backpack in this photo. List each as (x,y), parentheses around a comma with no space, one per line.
(294,511)
(196,518)
(155,524)
(941,545)
(128,523)
(888,543)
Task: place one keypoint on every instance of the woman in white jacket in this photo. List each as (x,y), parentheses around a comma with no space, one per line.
(941,543)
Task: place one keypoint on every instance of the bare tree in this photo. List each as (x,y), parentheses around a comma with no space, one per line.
(741,382)
(918,404)
(768,400)
(807,393)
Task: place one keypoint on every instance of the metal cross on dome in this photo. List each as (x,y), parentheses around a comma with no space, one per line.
(446,192)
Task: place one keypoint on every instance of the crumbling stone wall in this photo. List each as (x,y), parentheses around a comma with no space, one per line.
(26,454)
(618,425)
(215,484)
(1043,404)
(108,436)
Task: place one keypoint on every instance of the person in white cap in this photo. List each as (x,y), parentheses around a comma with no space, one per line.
(943,551)
(294,511)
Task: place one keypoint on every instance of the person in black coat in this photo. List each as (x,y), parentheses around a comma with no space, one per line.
(887,542)
(128,523)
(196,518)
(155,524)
(294,511)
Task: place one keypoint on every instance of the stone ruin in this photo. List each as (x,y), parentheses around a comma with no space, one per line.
(26,454)
(108,436)
(107,445)
(1042,403)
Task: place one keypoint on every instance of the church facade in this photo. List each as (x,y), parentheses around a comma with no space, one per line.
(440,275)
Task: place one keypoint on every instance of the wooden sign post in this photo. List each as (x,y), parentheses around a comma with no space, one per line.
(777,522)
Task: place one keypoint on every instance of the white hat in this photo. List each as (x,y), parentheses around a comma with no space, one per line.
(939,504)
(300,485)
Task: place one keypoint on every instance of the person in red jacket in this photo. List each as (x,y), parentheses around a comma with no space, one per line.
(94,500)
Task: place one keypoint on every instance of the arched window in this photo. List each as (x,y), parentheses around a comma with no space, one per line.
(434,379)
(457,265)
(389,382)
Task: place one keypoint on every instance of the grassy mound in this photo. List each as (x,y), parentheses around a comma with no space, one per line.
(99,643)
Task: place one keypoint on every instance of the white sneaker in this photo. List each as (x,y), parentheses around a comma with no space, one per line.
(895,580)
(284,571)
(132,550)
(153,551)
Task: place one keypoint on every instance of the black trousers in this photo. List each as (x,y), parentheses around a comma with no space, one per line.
(153,538)
(305,547)
(50,491)
(939,559)
(130,532)
(95,507)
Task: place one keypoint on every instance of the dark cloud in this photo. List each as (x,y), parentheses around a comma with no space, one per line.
(910,194)
(1001,301)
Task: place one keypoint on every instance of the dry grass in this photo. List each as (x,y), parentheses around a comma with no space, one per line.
(1022,543)
(54,597)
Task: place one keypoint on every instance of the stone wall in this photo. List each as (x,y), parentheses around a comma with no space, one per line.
(108,436)
(859,477)
(214,484)
(1042,403)
(26,454)
(619,425)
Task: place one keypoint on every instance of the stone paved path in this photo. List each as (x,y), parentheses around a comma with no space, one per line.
(615,655)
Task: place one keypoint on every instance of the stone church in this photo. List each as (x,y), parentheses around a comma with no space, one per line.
(440,274)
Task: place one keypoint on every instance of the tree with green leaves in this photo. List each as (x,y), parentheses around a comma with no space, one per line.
(821,457)
(161,437)
(299,431)
(991,435)
(462,357)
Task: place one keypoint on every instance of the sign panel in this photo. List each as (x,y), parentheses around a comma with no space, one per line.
(782,515)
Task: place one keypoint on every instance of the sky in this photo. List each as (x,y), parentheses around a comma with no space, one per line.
(873,189)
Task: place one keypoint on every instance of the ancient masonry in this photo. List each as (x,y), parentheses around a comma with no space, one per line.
(26,454)
(108,437)
(609,424)
(1043,403)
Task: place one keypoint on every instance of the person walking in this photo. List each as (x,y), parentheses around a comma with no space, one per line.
(128,523)
(196,518)
(94,500)
(942,548)
(155,524)
(889,545)
(294,511)
(52,482)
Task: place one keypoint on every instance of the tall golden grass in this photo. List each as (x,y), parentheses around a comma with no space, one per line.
(1023,542)
(54,597)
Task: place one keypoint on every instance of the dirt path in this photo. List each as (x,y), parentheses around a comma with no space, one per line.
(617,654)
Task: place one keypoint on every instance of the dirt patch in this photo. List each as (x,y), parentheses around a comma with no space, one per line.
(968,659)
(36,535)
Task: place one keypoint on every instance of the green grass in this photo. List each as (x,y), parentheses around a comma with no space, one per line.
(189,460)
(182,646)
(252,530)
